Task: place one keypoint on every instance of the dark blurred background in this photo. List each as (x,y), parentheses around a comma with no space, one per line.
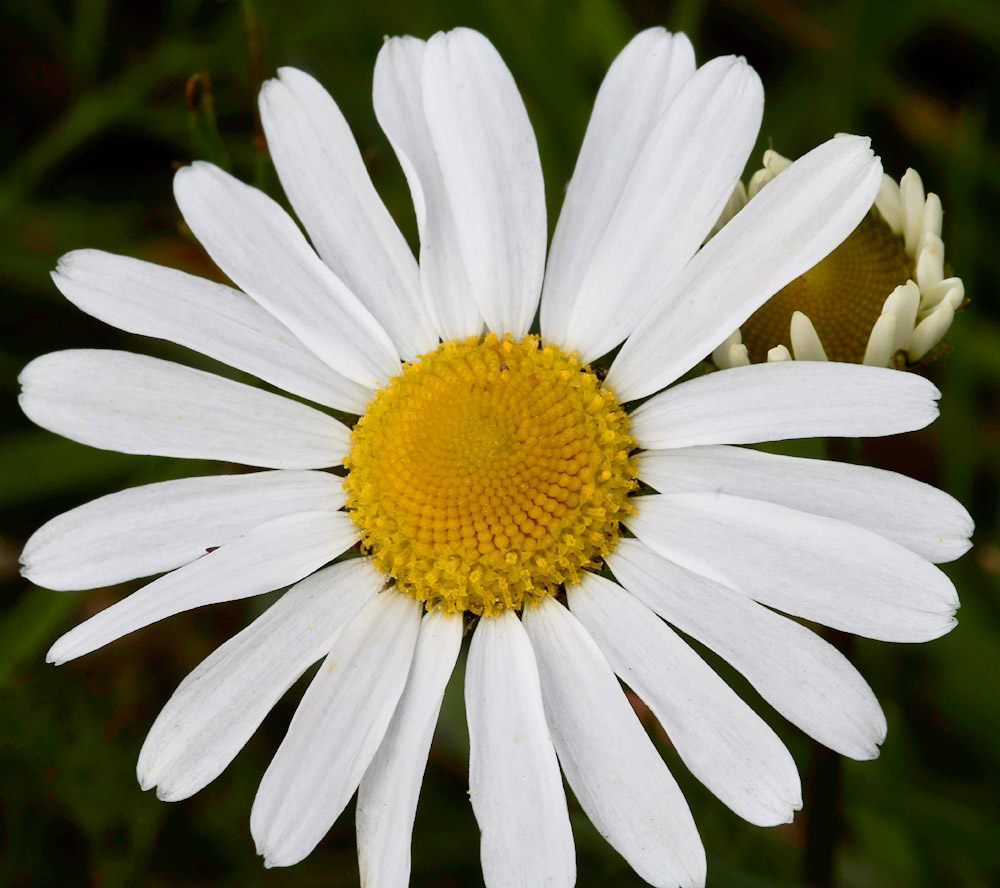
(103,99)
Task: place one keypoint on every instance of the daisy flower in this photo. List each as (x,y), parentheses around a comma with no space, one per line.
(880,298)
(493,469)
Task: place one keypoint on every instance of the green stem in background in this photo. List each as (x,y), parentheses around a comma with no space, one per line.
(821,792)
(259,69)
(202,123)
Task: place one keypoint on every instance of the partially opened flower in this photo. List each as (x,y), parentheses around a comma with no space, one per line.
(492,470)
(880,298)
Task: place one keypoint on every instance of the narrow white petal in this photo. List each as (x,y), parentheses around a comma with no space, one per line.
(903,304)
(930,226)
(639,86)
(679,184)
(336,730)
(399,107)
(387,796)
(724,743)
(514,783)
(890,204)
(950,290)
(322,173)
(803,677)
(806,344)
(271,555)
(217,321)
(911,513)
(806,565)
(217,708)
(491,172)
(784,231)
(786,399)
(911,191)
(879,350)
(609,761)
(930,262)
(929,331)
(137,404)
(157,527)
(264,253)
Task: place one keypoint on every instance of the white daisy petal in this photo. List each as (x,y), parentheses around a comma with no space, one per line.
(803,677)
(322,173)
(336,730)
(639,86)
(786,399)
(609,761)
(678,185)
(157,527)
(262,250)
(806,565)
(399,107)
(267,557)
(136,404)
(514,781)
(492,175)
(387,796)
(223,323)
(785,230)
(217,708)
(918,516)
(724,743)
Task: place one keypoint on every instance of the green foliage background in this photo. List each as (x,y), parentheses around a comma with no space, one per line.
(93,120)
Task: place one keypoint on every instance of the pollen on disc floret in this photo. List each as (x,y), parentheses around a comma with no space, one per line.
(489,473)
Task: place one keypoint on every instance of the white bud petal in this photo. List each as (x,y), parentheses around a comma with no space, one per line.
(806,345)
(879,351)
(933,214)
(720,356)
(930,261)
(903,302)
(890,204)
(930,331)
(911,190)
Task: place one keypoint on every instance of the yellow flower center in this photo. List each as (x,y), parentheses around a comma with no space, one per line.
(489,473)
(842,295)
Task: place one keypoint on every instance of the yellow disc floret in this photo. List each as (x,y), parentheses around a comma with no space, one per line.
(843,295)
(489,473)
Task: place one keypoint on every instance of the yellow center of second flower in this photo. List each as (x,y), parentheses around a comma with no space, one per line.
(842,295)
(490,473)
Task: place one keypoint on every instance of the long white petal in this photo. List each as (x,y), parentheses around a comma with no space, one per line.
(787,399)
(609,761)
(680,182)
(265,254)
(271,555)
(399,106)
(336,730)
(217,321)
(322,173)
(785,230)
(806,565)
(514,781)
(639,86)
(803,677)
(387,796)
(911,513)
(217,708)
(491,172)
(137,404)
(157,527)
(724,743)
